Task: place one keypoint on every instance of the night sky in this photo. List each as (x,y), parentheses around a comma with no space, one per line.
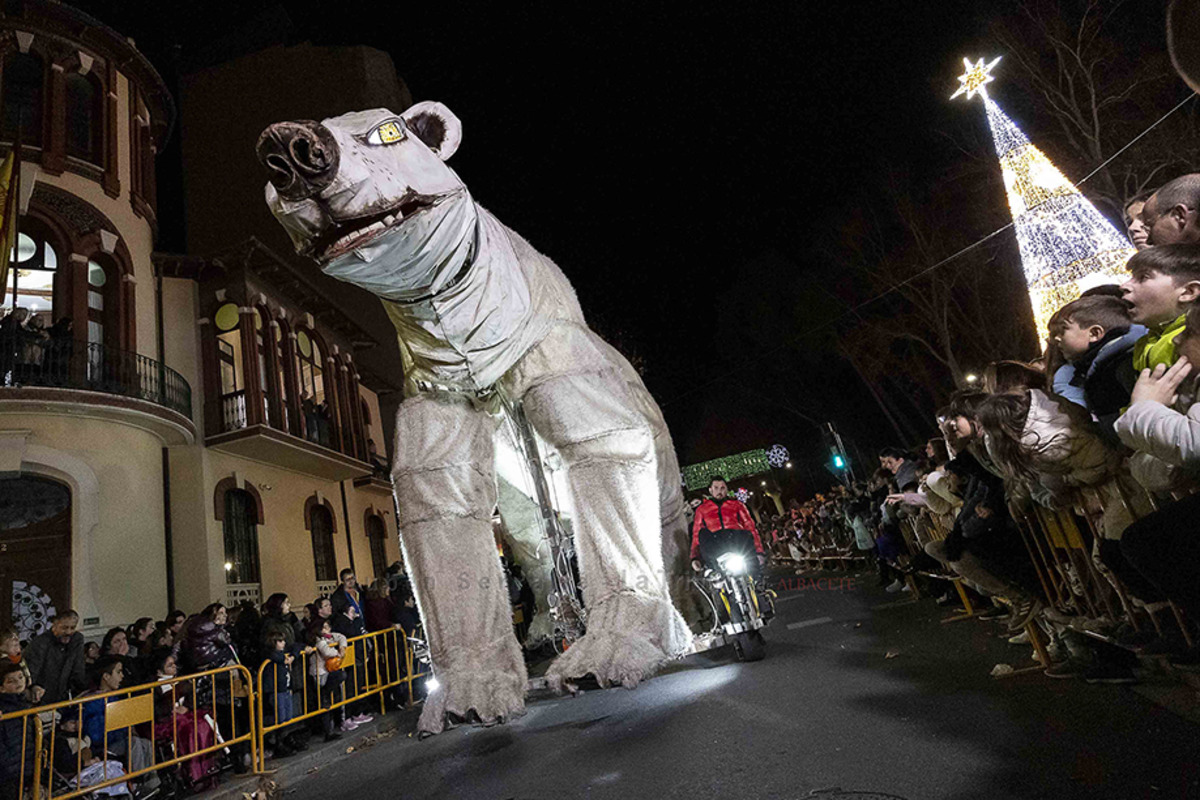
(680,166)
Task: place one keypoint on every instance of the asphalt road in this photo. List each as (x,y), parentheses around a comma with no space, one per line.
(827,709)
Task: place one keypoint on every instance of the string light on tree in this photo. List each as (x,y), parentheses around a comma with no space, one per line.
(1066,244)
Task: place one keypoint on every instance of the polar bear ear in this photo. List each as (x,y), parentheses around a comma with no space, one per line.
(436,126)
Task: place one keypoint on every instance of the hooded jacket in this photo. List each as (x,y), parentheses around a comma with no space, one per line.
(1105,377)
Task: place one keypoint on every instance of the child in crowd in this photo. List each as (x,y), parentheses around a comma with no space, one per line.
(1163,422)
(16,734)
(1096,338)
(1048,450)
(10,652)
(277,692)
(325,667)
(123,743)
(176,721)
(1164,282)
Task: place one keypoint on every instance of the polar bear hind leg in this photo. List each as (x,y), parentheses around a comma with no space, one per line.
(587,411)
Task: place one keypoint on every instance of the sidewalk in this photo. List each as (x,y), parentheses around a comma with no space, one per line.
(287,772)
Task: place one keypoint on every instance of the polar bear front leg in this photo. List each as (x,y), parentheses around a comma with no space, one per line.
(607,445)
(445,491)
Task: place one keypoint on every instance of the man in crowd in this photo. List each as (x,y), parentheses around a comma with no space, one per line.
(55,658)
(1170,214)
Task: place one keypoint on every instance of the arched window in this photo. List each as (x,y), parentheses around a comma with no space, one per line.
(377,536)
(241,537)
(22,98)
(317,414)
(30,284)
(324,558)
(85,122)
(229,365)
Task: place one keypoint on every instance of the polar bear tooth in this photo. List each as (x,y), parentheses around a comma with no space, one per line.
(389,219)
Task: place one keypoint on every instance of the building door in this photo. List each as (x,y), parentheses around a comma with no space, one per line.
(35,553)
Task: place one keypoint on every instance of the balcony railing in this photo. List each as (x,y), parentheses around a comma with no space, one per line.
(68,364)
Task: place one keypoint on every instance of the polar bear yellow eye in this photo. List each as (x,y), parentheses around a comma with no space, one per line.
(388,132)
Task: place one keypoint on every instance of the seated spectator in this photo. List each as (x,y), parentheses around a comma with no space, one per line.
(55,659)
(138,636)
(175,720)
(116,643)
(73,757)
(16,734)
(136,752)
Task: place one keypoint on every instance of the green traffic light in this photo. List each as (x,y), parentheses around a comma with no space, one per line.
(839,462)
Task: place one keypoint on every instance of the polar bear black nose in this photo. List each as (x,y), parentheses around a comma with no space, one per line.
(301,157)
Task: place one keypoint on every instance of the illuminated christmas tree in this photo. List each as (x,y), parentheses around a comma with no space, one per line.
(1066,245)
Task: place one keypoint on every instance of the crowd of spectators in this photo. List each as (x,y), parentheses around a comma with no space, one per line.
(1104,425)
(302,648)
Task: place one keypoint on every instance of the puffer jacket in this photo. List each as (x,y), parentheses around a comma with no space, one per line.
(1160,431)
(1069,455)
(206,645)
(1065,451)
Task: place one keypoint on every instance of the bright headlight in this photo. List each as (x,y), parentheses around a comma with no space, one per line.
(732,563)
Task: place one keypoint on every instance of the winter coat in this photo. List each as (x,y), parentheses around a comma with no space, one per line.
(1106,376)
(327,647)
(56,667)
(288,627)
(341,599)
(940,499)
(1158,347)
(1063,447)
(14,732)
(727,515)
(340,623)
(379,613)
(276,674)
(206,645)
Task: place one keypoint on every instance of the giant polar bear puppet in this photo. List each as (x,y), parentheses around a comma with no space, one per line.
(481,315)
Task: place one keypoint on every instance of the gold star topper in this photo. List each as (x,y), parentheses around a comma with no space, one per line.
(977,76)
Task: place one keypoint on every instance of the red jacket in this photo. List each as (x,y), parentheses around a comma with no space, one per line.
(730,514)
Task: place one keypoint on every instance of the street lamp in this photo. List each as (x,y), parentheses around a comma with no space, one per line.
(972,377)
(788,465)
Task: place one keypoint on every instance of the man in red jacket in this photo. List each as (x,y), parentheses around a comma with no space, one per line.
(722,523)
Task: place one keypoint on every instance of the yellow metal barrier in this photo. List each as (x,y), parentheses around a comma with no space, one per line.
(66,763)
(371,665)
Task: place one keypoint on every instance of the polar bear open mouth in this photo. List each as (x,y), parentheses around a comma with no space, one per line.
(343,236)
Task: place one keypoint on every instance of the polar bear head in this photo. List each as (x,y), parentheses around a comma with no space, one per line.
(344,182)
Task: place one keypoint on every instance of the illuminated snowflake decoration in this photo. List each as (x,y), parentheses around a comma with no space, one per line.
(742,494)
(1066,244)
(777,455)
(32,609)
